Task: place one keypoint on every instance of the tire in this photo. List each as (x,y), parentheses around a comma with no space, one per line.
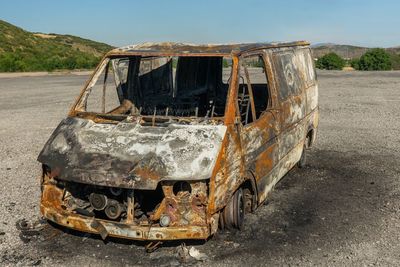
(232,217)
(303,159)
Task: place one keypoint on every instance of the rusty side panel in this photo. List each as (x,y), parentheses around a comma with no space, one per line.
(270,146)
(273,144)
(296,92)
(260,142)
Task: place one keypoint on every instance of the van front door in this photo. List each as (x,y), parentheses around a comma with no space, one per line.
(259,119)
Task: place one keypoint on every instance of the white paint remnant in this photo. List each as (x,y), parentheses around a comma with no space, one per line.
(184,151)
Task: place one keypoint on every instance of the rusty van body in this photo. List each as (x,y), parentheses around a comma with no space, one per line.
(171,141)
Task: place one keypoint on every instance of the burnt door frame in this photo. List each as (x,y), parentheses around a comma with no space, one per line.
(259,139)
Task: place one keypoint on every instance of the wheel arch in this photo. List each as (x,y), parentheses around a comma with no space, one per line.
(310,136)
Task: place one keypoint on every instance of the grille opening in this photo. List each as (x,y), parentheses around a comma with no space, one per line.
(181,188)
(146,202)
(87,200)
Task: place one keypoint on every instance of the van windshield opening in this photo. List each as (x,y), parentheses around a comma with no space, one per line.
(185,86)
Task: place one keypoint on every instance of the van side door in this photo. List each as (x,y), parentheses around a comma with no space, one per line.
(287,64)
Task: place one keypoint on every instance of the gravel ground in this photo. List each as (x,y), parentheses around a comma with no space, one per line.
(342,209)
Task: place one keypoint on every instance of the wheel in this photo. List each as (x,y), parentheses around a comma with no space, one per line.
(302,162)
(233,214)
(249,200)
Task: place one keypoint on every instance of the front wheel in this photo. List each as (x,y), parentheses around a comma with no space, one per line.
(233,214)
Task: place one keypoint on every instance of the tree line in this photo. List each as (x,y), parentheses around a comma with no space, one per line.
(373,59)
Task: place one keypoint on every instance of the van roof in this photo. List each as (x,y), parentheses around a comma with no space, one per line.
(169,48)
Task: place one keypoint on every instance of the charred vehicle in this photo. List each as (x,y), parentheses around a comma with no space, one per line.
(171,141)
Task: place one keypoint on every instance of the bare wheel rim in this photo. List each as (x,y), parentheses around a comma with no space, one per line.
(233,213)
(239,209)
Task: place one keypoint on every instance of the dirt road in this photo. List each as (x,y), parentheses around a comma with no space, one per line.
(342,209)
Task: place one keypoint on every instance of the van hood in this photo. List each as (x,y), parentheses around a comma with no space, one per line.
(129,155)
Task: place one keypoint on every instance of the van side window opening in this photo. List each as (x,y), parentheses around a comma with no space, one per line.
(162,86)
(103,96)
(253,95)
(226,70)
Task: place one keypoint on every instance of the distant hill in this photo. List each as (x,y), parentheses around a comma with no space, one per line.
(21,50)
(345,51)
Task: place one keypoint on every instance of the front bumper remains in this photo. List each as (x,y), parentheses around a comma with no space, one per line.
(51,209)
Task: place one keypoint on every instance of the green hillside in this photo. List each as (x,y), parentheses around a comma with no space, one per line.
(21,50)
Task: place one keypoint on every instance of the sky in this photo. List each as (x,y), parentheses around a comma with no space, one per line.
(122,22)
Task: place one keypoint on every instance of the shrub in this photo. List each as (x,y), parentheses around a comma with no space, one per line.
(355,63)
(375,59)
(395,60)
(7,62)
(45,61)
(330,61)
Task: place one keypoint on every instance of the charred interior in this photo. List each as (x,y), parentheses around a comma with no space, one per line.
(185,86)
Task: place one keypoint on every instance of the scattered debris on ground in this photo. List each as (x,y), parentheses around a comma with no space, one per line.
(185,254)
(30,230)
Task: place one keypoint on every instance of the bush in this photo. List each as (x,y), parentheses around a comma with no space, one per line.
(45,61)
(7,62)
(375,59)
(355,63)
(330,61)
(395,59)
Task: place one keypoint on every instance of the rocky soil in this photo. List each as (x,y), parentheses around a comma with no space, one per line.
(342,209)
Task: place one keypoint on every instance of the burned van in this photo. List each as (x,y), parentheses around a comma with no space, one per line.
(173,141)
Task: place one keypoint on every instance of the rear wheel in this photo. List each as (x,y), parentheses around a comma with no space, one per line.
(233,214)
(303,159)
